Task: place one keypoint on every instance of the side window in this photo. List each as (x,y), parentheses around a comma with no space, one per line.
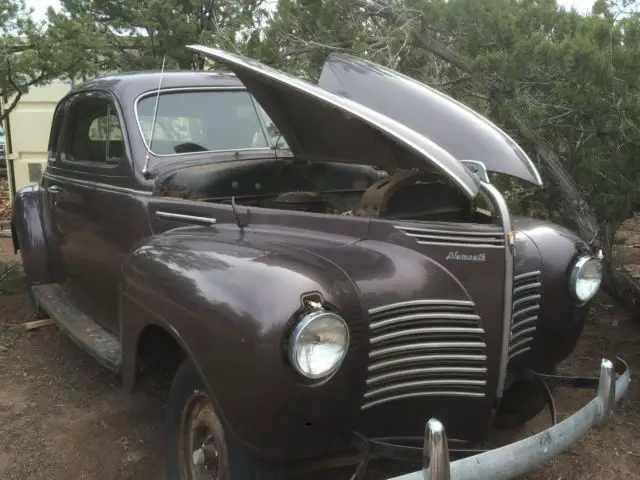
(275,138)
(94,130)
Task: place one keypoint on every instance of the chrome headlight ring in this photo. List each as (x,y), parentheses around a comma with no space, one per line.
(585,278)
(318,344)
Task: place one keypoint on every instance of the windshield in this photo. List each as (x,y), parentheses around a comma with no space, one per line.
(202,121)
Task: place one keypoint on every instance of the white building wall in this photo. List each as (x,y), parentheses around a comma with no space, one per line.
(29,124)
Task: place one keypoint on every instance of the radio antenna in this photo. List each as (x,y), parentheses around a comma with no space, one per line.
(145,169)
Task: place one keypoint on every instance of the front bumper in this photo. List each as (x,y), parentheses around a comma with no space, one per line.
(521,457)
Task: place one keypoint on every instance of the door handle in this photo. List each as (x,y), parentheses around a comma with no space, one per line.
(53,189)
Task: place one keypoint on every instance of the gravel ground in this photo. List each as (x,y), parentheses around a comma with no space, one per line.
(62,417)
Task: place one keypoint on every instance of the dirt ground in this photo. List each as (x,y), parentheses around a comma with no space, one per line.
(62,417)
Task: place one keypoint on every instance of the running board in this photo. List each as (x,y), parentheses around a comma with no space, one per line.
(87,334)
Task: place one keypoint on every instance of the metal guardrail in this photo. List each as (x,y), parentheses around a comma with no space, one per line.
(521,457)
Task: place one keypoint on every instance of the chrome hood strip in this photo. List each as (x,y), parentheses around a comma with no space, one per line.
(500,203)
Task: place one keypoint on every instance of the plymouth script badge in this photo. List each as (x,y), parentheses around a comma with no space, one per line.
(467,257)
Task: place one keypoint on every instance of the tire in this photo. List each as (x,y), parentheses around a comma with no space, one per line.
(521,403)
(225,458)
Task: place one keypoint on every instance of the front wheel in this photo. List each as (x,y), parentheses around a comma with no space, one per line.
(521,403)
(196,445)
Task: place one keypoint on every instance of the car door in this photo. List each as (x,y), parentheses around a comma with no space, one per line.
(94,205)
(52,226)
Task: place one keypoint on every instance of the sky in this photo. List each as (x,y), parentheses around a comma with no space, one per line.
(40,6)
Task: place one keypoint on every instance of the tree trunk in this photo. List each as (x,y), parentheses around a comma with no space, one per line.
(618,282)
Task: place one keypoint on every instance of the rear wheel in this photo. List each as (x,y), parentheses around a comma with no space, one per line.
(196,445)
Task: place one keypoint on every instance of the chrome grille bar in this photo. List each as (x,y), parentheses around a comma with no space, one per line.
(527,293)
(434,236)
(425,348)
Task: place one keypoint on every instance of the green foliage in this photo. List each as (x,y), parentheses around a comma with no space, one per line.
(138,34)
(573,79)
(34,53)
(12,279)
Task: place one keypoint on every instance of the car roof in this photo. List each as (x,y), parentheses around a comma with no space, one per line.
(130,85)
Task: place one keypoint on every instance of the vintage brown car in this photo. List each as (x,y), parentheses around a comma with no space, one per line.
(319,267)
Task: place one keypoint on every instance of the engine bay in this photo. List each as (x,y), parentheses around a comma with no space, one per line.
(324,188)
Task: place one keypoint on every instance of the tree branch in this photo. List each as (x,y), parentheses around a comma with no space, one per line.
(431,44)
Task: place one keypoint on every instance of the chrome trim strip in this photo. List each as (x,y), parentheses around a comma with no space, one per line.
(239,88)
(523,332)
(426,331)
(526,299)
(105,187)
(465,245)
(425,383)
(513,355)
(448,239)
(427,370)
(470,317)
(530,309)
(431,393)
(182,216)
(526,286)
(382,364)
(525,322)
(425,346)
(446,350)
(522,276)
(520,344)
(421,303)
(450,232)
(499,202)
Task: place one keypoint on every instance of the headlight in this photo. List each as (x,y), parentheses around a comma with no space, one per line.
(586,277)
(318,344)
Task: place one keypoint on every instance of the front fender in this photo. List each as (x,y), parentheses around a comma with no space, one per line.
(561,318)
(29,235)
(232,306)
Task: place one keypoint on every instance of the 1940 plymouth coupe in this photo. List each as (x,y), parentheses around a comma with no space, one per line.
(323,268)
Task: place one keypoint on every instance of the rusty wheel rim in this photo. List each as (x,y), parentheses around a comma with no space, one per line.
(203,453)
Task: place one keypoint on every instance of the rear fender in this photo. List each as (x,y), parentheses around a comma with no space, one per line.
(28,234)
(230,307)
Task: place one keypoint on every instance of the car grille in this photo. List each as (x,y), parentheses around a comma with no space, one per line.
(526,304)
(425,348)
(486,239)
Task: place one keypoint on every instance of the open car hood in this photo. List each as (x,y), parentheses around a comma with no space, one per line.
(321,125)
(462,132)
